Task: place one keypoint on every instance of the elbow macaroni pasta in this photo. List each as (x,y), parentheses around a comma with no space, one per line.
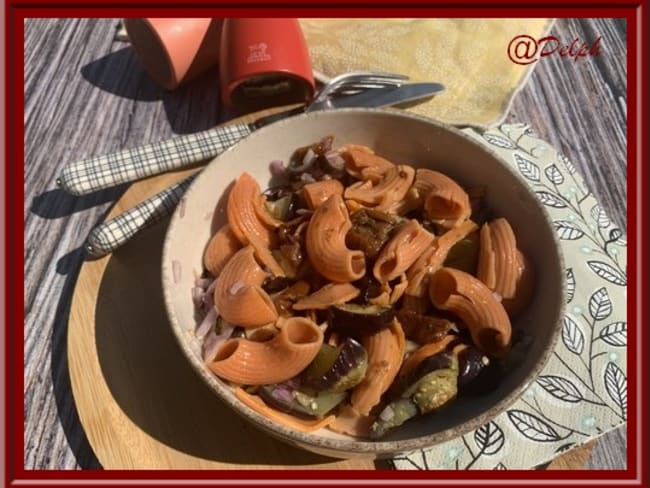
(325,243)
(402,251)
(238,295)
(220,249)
(244,207)
(476,305)
(264,268)
(247,362)
(316,194)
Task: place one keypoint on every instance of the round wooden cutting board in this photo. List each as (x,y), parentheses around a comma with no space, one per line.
(139,401)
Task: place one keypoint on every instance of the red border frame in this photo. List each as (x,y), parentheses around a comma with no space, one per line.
(17,11)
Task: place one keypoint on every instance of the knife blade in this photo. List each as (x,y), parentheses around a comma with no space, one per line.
(98,173)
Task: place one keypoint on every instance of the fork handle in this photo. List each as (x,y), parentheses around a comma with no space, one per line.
(92,174)
(108,236)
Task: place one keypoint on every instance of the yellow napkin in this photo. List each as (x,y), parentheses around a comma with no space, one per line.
(468,56)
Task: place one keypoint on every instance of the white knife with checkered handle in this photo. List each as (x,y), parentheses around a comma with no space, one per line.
(110,235)
(92,174)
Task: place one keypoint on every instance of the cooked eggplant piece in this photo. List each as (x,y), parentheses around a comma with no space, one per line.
(369,234)
(435,384)
(288,399)
(283,208)
(277,192)
(357,320)
(285,299)
(464,254)
(337,369)
(480,210)
(470,364)
(488,379)
(423,328)
(275,284)
(311,160)
(394,414)
(369,287)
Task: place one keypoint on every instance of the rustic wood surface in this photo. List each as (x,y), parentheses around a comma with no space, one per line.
(85,94)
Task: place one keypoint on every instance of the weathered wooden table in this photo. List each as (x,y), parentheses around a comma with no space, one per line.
(86,94)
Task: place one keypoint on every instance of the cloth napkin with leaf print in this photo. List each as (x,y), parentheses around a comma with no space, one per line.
(582,392)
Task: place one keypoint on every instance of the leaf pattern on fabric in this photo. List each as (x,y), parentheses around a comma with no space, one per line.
(572,336)
(600,217)
(527,168)
(608,272)
(532,427)
(560,388)
(489,438)
(615,334)
(600,305)
(582,391)
(500,141)
(567,230)
(570,284)
(616,386)
(554,175)
(571,169)
(550,199)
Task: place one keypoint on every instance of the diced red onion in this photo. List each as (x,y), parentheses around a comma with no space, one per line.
(282,394)
(197,296)
(309,157)
(277,167)
(213,342)
(300,228)
(208,297)
(335,160)
(307,178)
(207,323)
(307,162)
(203,283)
(326,143)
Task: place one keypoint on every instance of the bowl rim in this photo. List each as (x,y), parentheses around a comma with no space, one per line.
(352,445)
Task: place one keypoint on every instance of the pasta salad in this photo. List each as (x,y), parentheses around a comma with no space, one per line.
(358,292)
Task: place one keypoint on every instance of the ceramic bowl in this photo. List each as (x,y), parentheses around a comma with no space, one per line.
(398,136)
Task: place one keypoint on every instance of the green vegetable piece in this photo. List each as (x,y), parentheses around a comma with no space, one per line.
(464,254)
(394,415)
(282,208)
(301,403)
(337,369)
(435,386)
